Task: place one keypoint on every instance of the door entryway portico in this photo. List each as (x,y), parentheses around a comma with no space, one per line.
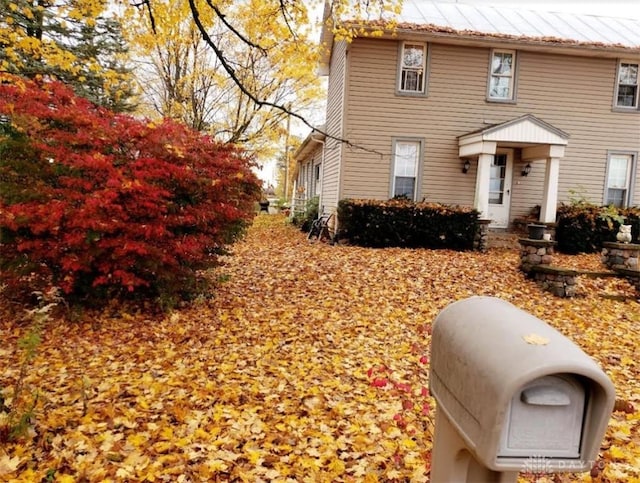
(535,140)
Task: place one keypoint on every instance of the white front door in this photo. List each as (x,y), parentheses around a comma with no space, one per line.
(500,188)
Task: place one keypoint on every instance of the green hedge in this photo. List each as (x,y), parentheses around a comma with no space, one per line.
(403,223)
(584,227)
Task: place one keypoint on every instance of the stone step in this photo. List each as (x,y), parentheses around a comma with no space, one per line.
(503,239)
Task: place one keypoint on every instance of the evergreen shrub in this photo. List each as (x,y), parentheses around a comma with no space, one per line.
(404,223)
(583,227)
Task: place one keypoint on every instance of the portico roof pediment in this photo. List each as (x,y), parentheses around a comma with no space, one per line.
(523,131)
(536,139)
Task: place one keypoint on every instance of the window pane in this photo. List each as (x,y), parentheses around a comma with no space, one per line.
(499,160)
(616,197)
(497,172)
(413,56)
(502,63)
(496,184)
(406,168)
(500,87)
(627,95)
(618,179)
(406,160)
(411,80)
(404,186)
(496,179)
(495,197)
(628,74)
(618,171)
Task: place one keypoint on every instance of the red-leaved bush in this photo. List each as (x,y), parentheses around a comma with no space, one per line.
(105,205)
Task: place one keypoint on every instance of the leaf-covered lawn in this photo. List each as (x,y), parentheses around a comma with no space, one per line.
(310,363)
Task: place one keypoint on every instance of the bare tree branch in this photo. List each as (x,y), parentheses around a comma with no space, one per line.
(237,33)
(151,18)
(259,102)
(228,67)
(284,10)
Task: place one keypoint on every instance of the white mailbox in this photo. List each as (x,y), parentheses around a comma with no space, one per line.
(511,388)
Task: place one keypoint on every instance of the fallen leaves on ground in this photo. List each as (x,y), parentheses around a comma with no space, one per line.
(309,363)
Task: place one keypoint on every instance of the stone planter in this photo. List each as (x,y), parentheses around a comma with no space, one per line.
(480,241)
(536,257)
(536,231)
(621,255)
(561,282)
(535,252)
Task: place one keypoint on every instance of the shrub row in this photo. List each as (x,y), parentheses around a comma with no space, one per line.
(403,223)
(104,205)
(583,227)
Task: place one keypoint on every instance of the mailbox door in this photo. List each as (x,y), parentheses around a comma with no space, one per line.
(545,419)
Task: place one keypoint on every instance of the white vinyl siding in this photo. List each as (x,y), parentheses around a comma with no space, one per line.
(620,169)
(331,188)
(502,75)
(412,71)
(627,85)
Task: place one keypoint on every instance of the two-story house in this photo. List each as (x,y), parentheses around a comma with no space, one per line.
(495,108)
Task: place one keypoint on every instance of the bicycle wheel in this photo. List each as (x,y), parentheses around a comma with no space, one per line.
(315,230)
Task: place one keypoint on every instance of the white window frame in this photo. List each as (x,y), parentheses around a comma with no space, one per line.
(417,170)
(636,100)
(422,69)
(630,176)
(511,76)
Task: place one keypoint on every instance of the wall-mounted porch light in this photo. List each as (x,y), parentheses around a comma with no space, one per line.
(466,166)
(526,170)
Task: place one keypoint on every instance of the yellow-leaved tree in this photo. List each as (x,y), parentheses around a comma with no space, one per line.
(76,41)
(242,69)
(185,76)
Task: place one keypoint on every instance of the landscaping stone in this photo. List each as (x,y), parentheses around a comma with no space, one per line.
(620,255)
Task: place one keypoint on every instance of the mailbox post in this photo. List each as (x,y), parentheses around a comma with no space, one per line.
(511,391)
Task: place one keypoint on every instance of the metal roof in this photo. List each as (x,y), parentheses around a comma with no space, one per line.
(493,21)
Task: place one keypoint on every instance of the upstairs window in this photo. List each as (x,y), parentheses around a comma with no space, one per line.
(502,75)
(627,87)
(413,68)
(406,164)
(619,182)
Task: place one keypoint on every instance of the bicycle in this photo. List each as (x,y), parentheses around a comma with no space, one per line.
(321,229)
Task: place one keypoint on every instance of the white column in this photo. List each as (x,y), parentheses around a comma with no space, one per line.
(481,201)
(550,195)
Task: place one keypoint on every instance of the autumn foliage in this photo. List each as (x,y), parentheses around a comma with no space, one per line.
(105,205)
(311,364)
